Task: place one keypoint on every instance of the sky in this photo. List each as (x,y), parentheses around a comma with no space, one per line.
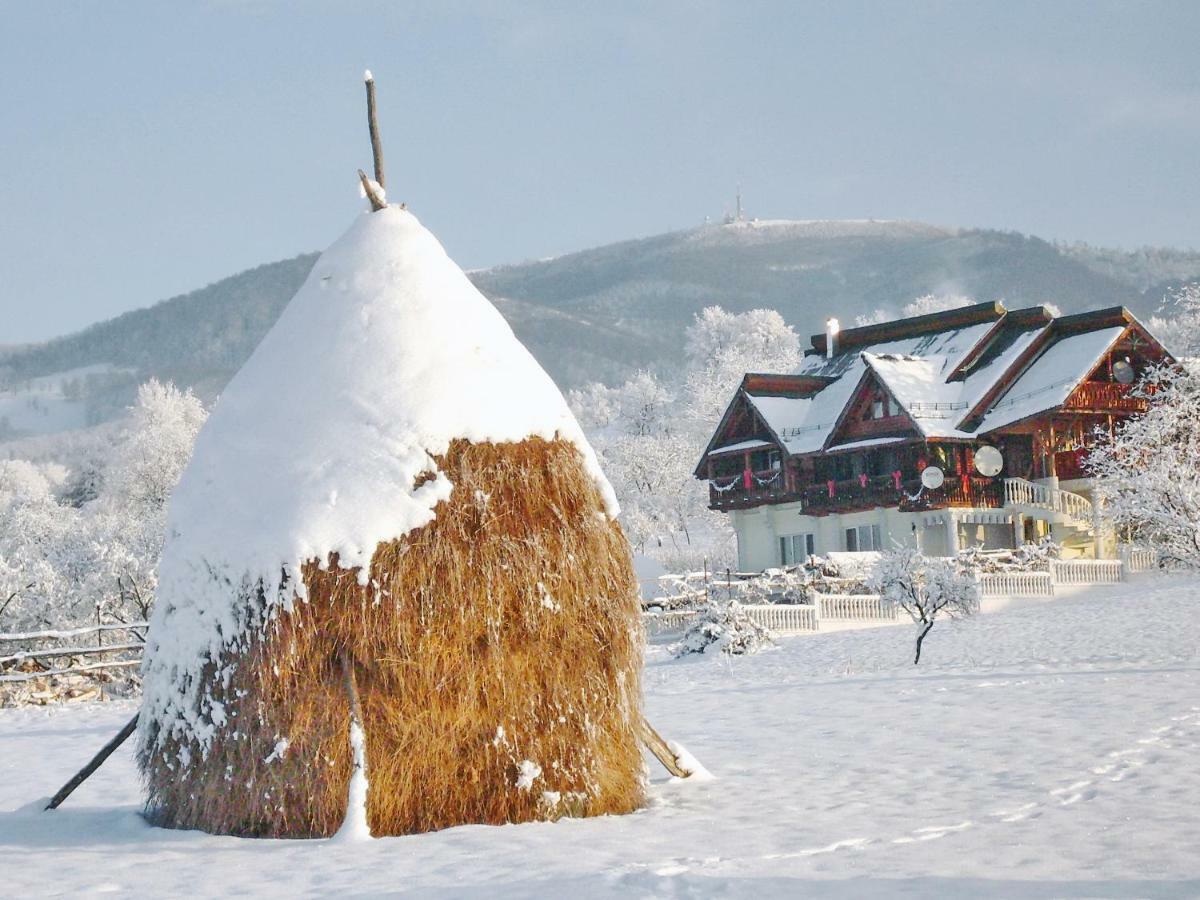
(148,149)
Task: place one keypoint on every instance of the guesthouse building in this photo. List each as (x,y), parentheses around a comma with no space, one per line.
(879,438)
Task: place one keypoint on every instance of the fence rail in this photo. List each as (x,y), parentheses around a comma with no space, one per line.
(63,645)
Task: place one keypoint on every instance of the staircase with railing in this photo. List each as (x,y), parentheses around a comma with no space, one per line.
(1074,510)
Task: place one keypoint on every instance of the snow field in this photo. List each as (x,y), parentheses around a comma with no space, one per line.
(1045,750)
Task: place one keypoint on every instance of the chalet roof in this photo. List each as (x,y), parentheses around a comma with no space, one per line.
(955,374)
(1052,378)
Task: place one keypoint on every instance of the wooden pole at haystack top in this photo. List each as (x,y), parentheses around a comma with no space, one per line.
(378,199)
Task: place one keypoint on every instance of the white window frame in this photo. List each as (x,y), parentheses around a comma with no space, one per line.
(790,543)
(864,538)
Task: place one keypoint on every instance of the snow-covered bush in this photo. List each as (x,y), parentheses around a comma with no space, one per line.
(927,588)
(1029,557)
(725,626)
(1147,474)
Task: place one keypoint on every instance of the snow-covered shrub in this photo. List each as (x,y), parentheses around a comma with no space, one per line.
(1029,557)
(1147,474)
(725,626)
(927,588)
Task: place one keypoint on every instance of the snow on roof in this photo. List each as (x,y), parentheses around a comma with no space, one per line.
(742,445)
(1052,377)
(804,423)
(951,345)
(869,442)
(936,406)
(385,355)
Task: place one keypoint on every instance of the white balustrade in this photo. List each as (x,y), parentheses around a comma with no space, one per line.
(782,618)
(854,607)
(1016,584)
(1086,571)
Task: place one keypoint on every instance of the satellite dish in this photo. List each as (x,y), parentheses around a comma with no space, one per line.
(1123,372)
(932,477)
(988,461)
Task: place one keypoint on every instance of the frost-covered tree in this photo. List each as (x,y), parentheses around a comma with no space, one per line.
(721,347)
(1147,474)
(931,303)
(35,532)
(156,446)
(1180,325)
(127,522)
(927,588)
(67,553)
(651,430)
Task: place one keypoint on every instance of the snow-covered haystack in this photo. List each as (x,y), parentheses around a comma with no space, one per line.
(391,499)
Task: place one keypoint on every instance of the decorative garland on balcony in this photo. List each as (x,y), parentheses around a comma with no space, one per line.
(721,489)
(763,482)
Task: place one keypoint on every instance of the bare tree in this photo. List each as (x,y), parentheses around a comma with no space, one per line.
(927,588)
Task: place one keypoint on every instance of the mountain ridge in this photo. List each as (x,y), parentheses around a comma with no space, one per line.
(603,312)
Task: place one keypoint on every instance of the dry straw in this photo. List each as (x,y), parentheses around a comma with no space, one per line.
(497,651)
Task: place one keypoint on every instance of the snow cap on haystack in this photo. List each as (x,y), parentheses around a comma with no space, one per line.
(391,479)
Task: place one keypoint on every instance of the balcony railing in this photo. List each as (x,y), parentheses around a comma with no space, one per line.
(1106,396)
(854,494)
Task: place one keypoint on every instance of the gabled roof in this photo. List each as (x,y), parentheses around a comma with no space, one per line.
(1052,378)
(955,374)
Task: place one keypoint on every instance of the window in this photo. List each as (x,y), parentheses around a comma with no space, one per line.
(796,548)
(863,538)
(773,461)
(877,409)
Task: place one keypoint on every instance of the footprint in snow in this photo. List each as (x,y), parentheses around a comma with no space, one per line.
(1073,793)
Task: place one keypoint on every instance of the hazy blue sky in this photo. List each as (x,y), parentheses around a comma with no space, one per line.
(148,149)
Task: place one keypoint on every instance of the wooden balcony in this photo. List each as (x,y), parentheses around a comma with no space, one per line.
(1105,396)
(853,495)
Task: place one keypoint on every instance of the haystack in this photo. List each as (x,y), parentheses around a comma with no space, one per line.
(391,506)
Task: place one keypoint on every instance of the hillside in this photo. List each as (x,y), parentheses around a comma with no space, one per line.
(599,314)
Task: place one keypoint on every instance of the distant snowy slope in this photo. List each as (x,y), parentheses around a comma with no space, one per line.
(601,313)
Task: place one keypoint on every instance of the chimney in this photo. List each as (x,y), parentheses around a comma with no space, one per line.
(831,332)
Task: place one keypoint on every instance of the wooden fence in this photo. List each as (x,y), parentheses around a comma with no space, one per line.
(68,651)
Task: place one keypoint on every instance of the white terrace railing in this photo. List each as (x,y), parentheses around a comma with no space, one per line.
(784,618)
(1016,584)
(65,652)
(1087,571)
(1137,559)
(1019,492)
(854,608)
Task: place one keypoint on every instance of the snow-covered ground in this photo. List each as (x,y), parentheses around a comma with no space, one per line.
(1048,750)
